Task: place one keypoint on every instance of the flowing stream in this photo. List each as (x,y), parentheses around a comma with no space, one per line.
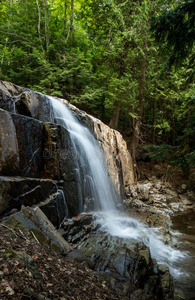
(94,185)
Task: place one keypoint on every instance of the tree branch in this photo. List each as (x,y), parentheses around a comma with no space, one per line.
(15,233)
(15,34)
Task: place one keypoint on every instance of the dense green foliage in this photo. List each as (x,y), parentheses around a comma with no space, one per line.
(175,31)
(103,56)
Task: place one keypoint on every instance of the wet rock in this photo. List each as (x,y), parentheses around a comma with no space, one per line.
(9,162)
(58,154)
(30,145)
(60,163)
(76,228)
(166,283)
(80,257)
(55,208)
(117,157)
(16,191)
(125,264)
(122,288)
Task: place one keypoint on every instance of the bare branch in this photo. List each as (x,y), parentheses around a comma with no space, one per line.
(14,232)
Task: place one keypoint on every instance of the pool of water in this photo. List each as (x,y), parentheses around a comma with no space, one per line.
(184,223)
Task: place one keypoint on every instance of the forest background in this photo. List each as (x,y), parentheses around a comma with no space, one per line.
(129,63)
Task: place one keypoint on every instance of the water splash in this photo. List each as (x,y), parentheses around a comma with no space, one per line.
(128,228)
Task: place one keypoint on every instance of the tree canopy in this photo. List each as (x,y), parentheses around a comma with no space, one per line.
(108,56)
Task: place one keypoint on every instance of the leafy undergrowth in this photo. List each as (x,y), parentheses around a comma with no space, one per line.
(29,270)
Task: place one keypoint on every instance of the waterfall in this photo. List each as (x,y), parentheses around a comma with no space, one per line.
(94,185)
(61,206)
(95,188)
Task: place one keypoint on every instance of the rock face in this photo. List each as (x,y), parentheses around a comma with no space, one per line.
(36,147)
(60,164)
(29,134)
(9,154)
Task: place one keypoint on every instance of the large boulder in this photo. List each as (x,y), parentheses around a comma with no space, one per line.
(34,105)
(43,229)
(16,99)
(8,94)
(9,156)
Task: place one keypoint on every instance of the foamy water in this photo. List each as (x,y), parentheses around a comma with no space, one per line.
(130,228)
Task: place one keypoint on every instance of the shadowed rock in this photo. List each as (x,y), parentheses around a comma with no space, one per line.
(9,156)
(60,163)
(16,191)
(30,145)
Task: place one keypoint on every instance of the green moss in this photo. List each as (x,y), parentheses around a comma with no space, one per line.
(43,240)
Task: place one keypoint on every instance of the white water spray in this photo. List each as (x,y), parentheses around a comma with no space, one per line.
(128,228)
(94,183)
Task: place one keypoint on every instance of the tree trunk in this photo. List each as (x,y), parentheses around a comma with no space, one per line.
(154,122)
(173,132)
(71,44)
(65,14)
(115,115)
(71,26)
(39,23)
(137,126)
(110,37)
(46,25)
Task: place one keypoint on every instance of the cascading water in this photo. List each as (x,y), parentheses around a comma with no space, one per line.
(94,185)
(92,174)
